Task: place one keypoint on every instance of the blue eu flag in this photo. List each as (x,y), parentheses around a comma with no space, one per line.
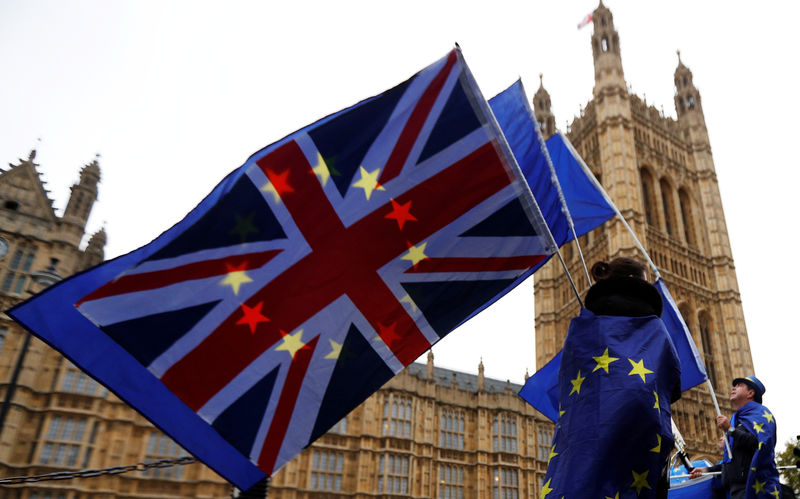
(613,432)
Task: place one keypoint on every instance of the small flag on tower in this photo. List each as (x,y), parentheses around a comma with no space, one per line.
(586,20)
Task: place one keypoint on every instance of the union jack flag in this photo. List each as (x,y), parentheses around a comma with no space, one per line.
(310,276)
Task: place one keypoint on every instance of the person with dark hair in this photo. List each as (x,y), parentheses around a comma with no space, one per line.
(620,289)
(751,433)
(619,373)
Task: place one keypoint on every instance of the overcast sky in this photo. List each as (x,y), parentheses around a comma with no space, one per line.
(174,95)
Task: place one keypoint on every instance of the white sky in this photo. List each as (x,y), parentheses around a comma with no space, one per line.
(174,95)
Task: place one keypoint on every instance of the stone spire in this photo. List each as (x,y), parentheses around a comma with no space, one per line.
(83,195)
(688,104)
(429,366)
(608,72)
(481,379)
(541,109)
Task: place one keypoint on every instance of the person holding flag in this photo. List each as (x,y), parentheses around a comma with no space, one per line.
(750,471)
(619,373)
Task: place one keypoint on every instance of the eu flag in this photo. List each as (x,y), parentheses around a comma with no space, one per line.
(309,276)
(613,433)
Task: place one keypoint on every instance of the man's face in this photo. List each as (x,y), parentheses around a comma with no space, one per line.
(741,394)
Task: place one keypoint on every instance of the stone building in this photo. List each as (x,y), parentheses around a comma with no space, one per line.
(660,173)
(429,432)
(54,417)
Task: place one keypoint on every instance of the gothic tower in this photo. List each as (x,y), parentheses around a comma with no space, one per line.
(81,199)
(660,173)
(541,107)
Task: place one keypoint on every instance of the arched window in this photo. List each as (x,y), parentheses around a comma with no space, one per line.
(604,42)
(708,348)
(647,197)
(687,217)
(666,205)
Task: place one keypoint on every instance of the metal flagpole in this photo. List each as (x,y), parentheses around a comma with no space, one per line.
(561,198)
(591,176)
(487,110)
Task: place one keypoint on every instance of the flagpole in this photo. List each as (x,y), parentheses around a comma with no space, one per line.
(561,198)
(484,106)
(600,188)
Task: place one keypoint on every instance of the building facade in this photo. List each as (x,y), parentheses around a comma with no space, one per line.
(429,432)
(660,173)
(54,417)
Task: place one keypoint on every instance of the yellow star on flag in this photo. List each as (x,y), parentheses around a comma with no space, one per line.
(415,254)
(758,427)
(640,481)
(407,299)
(336,350)
(321,170)
(638,368)
(553,454)
(657,448)
(759,486)
(545,489)
(235,278)
(603,361)
(656,406)
(576,383)
(369,181)
(768,416)
(291,343)
(776,493)
(616,496)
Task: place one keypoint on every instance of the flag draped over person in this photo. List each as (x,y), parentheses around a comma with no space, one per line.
(614,430)
(309,276)
(763,479)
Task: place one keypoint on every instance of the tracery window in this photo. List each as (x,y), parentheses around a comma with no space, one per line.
(708,349)
(506,484)
(667,206)
(687,217)
(504,431)
(451,482)
(397,416)
(647,197)
(327,470)
(393,474)
(451,430)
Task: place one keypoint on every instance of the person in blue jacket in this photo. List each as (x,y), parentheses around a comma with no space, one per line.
(751,433)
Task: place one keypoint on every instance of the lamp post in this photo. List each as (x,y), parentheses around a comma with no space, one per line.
(44,278)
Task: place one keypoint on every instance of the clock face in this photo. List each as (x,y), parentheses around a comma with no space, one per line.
(3,248)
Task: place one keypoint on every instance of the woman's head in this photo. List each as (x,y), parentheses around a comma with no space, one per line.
(618,267)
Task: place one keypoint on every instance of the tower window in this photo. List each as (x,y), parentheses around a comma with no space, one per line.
(690,101)
(708,352)
(11,205)
(605,44)
(686,215)
(684,81)
(666,202)
(647,196)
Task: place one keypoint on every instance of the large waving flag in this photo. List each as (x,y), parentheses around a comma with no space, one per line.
(693,371)
(308,277)
(587,205)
